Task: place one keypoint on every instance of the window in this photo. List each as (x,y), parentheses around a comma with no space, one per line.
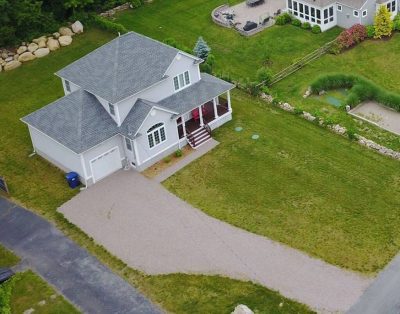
(391,6)
(355,13)
(339,8)
(181,80)
(331,14)
(156,134)
(128,143)
(364,13)
(67,86)
(112,109)
(290,4)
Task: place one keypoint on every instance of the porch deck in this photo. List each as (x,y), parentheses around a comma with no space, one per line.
(208,116)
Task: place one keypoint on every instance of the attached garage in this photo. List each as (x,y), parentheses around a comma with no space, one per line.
(105,164)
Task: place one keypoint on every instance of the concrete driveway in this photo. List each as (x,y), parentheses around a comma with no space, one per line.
(152,230)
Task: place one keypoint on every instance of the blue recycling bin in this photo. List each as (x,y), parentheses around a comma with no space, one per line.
(72,179)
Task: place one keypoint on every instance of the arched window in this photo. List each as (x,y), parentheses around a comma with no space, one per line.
(156,134)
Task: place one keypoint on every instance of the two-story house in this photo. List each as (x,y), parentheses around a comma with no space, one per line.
(343,13)
(128,104)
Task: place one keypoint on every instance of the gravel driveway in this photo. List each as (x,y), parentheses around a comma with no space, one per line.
(152,230)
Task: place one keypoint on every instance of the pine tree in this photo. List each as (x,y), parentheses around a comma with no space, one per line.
(201,49)
(383,23)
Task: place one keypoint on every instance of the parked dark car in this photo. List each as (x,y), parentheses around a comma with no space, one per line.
(5,274)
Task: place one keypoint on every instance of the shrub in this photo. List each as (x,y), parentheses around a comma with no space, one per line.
(201,49)
(345,39)
(359,32)
(383,23)
(253,88)
(136,3)
(316,29)
(370,31)
(298,111)
(264,75)
(296,22)
(283,19)
(396,23)
(351,133)
(178,153)
(335,48)
(108,25)
(306,25)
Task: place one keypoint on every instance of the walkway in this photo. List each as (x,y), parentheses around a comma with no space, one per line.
(150,229)
(80,277)
(383,296)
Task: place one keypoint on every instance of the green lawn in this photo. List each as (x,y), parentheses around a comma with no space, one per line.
(298,184)
(7,258)
(29,289)
(239,56)
(374,59)
(41,187)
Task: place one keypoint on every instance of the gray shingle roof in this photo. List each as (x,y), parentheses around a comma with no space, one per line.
(78,121)
(122,67)
(355,4)
(197,94)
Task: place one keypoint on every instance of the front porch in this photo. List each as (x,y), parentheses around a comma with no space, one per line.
(206,114)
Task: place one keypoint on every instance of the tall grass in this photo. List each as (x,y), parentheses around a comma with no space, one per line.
(361,90)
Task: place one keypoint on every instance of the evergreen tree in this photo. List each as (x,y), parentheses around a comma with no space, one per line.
(201,49)
(383,23)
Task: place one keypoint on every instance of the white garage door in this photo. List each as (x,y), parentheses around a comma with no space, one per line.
(105,164)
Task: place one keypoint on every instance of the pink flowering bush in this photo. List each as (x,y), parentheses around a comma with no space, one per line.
(359,32)
(354,35)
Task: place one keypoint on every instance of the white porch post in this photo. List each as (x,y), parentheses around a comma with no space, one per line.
(229,100)
(201,116)
(137,159)
(215,108)
(183,126)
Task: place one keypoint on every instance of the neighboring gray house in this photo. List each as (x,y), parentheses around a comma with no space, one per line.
(128,104)
(343,13)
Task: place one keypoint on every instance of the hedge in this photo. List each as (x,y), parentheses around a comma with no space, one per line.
(107,25)
(361,90)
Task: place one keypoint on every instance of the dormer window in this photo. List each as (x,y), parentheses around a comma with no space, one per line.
(181,80)
(112,109)
(67,86)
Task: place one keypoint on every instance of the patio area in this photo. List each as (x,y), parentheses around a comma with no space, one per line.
(258,15)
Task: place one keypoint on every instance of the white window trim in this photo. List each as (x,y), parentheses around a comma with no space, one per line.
(339,8)
(356,13)
(184,86)
(152,134)
(364,13)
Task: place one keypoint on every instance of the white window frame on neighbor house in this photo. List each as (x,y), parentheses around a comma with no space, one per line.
(339,8)
(156,135)
(356,13)
(111,108)
(307,12)
(389,6)
(364,13)
(181,81)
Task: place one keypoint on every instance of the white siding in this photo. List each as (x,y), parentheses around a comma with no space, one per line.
(73,87)
(56,153)
(166,87)
(106,106)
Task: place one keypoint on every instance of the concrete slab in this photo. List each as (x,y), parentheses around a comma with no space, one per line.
(150,229)
(382,116)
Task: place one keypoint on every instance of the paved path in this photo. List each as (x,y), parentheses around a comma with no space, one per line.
(80,277)
(151,229)
(197,153)
(383,296)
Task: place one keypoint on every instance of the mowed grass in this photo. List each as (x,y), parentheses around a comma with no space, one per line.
(236,55)
(35,183)
(29,289)
(376,60)
(300,185)
(7,258)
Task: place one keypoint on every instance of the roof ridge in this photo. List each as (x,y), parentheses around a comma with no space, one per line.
(115,70)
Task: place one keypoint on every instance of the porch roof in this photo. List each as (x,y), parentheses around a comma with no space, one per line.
(197,94)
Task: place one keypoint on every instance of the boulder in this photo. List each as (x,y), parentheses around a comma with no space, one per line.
(42,43)
(77,27)
(26,56)
(41,52)
(37,40)
(16,56)
(22,49)
(56,35)
(8,59)
(4,55)
(65,31)
(53,44)
(65,40)
(33,47)
(242,309)
(12,65)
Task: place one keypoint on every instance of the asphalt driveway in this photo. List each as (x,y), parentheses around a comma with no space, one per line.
(152,230)
(79,276)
